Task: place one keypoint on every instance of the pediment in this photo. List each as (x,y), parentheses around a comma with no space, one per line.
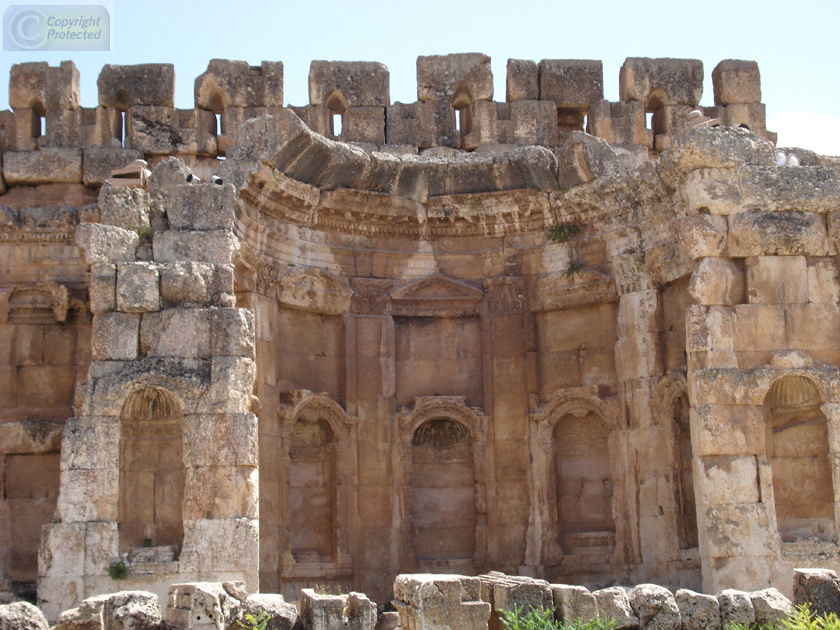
(41,302)
(435,296)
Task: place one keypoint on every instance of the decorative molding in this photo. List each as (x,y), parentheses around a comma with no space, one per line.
(435,296)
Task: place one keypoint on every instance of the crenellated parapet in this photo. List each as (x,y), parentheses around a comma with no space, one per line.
(545,104)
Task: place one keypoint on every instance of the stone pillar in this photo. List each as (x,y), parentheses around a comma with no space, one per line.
(638,363)
(166,342)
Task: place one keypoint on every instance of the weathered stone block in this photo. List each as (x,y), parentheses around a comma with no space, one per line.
(232,332)
(751,116)
(425,601)
(613,603)
(777,280)
(284,615)
(823,286)
(126,208)
(717,281)
(736,81)
(460,79)
(522,80)
(47,166)
(779,233)
(131,610)
(729,479)
(102,292)
(200,606)
(739,531)
(36,85)
(572,83)
(428,124)
(164,130)
(818,587)
(574,602)
(736,607)
(214,546)
(655,606)
(364,124)
(228,83)
(698,611)
(703,235)
(22,616)
(728,430)
(88,495)
(658,82)
(236,444)
(771,607)
(218,246)
(143,84)
(194,284)
(342,84)
(106,244)
(231,386)
(203,485)
(176,332)
(138,287)
(115,336)
(99,162)
(201,207)
(336,612)
(759,327)
(620,123)
(93,444)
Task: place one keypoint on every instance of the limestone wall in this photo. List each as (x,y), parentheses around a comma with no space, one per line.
(511,346)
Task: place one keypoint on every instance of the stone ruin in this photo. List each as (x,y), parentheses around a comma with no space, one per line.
(435,602)
(320,346)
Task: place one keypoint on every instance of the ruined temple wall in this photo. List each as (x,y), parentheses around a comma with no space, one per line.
(389,301)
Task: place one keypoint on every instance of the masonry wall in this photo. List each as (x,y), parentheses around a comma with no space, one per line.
(514,346)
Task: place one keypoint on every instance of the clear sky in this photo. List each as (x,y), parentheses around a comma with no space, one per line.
(794,43)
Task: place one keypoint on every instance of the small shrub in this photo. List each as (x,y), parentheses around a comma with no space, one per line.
(803,619)
(535,619)
(254,622)
(574,267)
(562,232)
(118,570)
(543,619)
(147,542)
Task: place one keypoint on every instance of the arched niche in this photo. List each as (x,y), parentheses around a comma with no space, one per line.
(151,475)
(572,481)
(442,491)
(798,452)
(318,442)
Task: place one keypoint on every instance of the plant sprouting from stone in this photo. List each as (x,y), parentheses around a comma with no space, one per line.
(562,232)
(118,570)
(254,622)
(540,618)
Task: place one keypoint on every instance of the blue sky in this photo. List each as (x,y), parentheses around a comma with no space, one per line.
(794,43)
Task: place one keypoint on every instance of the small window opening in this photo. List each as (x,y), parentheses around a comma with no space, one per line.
(586,123)
(337,123)
(122,129)
(458,126)
(649,120)
(218,125)
(43,126)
